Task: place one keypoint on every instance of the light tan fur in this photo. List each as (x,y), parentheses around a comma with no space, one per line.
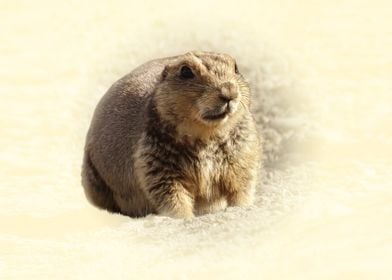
(163,143)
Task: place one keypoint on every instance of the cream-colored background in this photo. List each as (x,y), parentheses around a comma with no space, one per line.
(327,214)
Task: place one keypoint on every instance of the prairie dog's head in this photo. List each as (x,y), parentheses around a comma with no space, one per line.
(202,90)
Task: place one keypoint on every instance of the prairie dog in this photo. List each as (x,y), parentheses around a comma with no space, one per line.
(175,137)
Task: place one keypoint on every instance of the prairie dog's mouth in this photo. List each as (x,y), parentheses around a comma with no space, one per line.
(215,117)
(217,114)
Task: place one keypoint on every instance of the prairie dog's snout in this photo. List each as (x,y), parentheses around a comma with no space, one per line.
(229,92)
(228,95)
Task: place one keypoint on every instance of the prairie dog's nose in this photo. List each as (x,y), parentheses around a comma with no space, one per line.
(229,91)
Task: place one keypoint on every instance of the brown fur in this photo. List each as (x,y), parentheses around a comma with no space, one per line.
(153,148)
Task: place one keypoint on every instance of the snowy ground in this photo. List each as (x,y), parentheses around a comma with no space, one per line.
(321,73)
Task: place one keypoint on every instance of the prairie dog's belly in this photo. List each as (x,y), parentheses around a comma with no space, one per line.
(208,195)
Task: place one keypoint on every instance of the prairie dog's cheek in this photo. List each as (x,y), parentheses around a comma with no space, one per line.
(206,102)
(184,106)
(201,107)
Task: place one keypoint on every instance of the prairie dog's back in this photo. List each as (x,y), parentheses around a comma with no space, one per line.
(118,123)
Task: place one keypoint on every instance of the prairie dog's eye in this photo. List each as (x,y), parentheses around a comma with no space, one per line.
(236,68)
(186,72)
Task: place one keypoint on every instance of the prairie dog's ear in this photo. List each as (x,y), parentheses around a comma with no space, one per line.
(168,70)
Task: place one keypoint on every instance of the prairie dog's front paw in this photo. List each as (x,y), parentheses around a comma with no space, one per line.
(240,199)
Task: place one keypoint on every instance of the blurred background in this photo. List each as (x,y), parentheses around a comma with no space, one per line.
(321,74)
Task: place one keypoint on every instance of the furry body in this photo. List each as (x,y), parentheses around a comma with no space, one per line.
(161,142)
